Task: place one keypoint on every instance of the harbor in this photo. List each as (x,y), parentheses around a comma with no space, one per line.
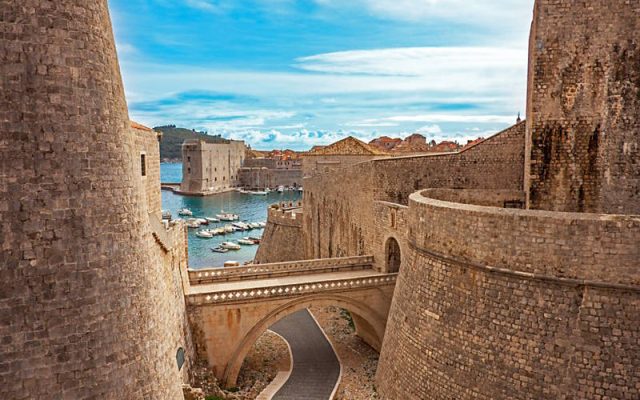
(215,236)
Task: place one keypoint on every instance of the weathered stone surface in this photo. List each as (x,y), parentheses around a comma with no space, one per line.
(211,167)
(88,307)
(282,238)
(583,106)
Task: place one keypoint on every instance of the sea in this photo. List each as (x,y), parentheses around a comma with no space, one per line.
(250,208)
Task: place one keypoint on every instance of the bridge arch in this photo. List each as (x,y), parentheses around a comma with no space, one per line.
(392,255)
(371,326)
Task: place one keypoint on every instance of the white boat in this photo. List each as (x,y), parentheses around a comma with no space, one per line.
(204,234)
(228,229)
(262,224)
(218,231)
(228,264)
(246,242)
(193,223)
(227,217)
(185,212)
(259,193)
(212,219)
(203,221)
(280,189)
(219,249)
(300,189)
(240,225)
(230,246)
(166,215)
(254,225)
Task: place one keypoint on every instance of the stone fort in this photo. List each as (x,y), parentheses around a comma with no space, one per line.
(509,270)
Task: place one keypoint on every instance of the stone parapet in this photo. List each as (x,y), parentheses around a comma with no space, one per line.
(285,268)
(258,294)
(567,245)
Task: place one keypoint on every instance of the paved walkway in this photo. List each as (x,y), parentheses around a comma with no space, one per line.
(316,368)
(284,280)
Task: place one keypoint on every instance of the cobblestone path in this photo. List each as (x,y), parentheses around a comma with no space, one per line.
(316,368)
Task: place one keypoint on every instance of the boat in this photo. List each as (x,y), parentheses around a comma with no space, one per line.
(240,225)
(193,223)
(227,217)
(258,193)
(228,229)
(300,189)
(166,215)
(262,224)
(228,264)
(230,246)
(218,231)
(185,212)
(246,242)
(256,240)
(204,234)
(203,221)
(219,249)
(212,219)
(280,189)
(254,225)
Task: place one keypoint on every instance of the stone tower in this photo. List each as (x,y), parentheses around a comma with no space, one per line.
(79,314)
(583,112)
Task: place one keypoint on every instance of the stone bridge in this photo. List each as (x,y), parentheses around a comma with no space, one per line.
(230,308)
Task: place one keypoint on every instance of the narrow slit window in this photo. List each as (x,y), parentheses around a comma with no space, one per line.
(143,164)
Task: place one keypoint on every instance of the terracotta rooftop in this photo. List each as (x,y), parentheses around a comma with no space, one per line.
(140,127)
(347,146)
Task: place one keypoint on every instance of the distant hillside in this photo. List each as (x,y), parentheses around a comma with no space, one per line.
(172,139)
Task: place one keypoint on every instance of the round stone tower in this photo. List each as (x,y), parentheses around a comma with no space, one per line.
(78,313)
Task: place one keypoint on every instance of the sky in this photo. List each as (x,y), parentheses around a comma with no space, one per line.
(294,74)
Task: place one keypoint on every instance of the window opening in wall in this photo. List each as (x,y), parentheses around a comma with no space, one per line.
(393,256)
(189,158)
(180,358)
(143,164)
(188,170)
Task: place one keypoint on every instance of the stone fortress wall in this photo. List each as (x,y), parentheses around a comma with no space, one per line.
(260,177)
(284,225)
(584,96)
(88,306)
(209,168)
(349,212)
(494,300)
(146,143)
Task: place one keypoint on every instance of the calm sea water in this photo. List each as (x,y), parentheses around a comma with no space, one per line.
(250,209)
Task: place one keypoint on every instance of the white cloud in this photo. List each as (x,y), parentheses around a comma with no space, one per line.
(477,12)
(452,118)
(430,130)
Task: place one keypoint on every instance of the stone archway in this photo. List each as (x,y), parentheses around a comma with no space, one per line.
(393,256)
(372,330)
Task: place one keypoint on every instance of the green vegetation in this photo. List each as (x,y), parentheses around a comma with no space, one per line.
(173,137)
(347,315)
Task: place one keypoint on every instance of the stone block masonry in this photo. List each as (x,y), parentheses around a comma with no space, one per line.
(584,107)
(282,237)
(503,304)
(87,308)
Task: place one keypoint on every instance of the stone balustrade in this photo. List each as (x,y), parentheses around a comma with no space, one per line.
(257,271)
(288,290)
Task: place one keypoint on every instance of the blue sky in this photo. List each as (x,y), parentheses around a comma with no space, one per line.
(293,74)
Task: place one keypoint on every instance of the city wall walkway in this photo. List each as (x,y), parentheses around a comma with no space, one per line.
(230,308)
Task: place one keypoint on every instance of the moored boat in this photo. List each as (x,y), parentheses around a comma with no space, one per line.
(219,249)
(185,212)
(246,242)
(204,234)
(230,246)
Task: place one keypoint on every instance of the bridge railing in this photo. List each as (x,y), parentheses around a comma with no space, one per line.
(261,271)
(289,290)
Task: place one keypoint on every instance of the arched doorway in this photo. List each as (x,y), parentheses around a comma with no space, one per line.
(393,256)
